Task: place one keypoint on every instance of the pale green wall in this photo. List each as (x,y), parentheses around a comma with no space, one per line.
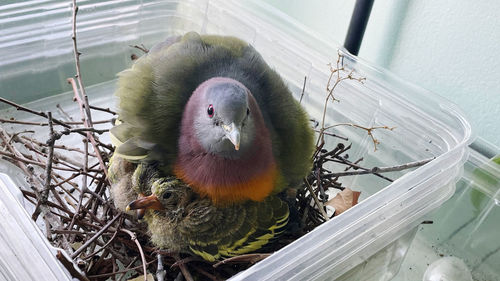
(449,47)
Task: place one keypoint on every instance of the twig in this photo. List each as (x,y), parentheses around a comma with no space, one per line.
(210,276)
(13,121)
(303,89)
(77,66)
(19,159)
(134,238)
(121,271)
(342,160)
(141,47)
(93,238)
(103,109)
(184,260)
(381,169)
(103,247)
(64,113)
(127,269)
(252,258)
(78,130)
(88,123)
(39,113)
(69,266)
(368,130)
(184,269)
(43,124)
(316,200)
(28,161)
(48,170)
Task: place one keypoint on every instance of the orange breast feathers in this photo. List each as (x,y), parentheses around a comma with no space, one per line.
(256,188)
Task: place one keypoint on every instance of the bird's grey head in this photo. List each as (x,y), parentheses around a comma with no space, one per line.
(224,123)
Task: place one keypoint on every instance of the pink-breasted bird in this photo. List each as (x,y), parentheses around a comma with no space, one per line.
(210,111)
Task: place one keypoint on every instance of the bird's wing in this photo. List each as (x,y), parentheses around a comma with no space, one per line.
(246,228)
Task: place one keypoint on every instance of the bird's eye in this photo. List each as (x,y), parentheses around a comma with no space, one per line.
(210,111)
(167,195)
(248,111)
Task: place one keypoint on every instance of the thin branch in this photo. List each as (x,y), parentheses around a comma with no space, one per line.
(93,238)
(252,258)
(22,159)
(48,170)
(368,130)
(303,89)
(13,121)
(69,266)
(103,247)
(108,110)
(64,113)
(342,160)
(139,247)
(77,66)
(381,169)
(88,123)
(184,269)
(120,271)
(316,200)
(141,47)
(39,113)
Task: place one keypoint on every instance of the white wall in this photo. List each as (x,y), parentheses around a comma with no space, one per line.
(449,47)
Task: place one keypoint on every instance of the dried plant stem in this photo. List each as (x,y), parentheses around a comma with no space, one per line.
(77,66)
(183,269)
(139,247)
(252,258)
(141,47)
(381,169)
(97,235)
(303,89)
(69,266)
(341,160)
(316,200)
(368,130)
(18,157)
(88,123)
(108,110)
(121,271)
(103,247)
(39,113)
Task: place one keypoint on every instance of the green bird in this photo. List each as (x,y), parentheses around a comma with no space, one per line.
(180,220)
(208,110)
(129,181)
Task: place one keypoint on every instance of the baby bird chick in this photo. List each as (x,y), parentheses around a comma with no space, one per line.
(181,221)
(129,181)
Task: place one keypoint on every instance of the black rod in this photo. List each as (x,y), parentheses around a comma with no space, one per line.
(357,26)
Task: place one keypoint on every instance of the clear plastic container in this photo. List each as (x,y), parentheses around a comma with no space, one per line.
(25,252)
(426,125)
(465,227)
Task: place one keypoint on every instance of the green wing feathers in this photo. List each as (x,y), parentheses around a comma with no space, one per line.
(251,227)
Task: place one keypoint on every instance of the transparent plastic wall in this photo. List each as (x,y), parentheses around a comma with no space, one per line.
(426,126)
(465,227)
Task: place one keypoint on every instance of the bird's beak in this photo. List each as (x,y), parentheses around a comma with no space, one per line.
(148,202)
(233,134)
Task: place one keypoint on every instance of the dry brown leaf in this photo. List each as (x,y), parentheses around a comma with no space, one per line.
(344,200)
